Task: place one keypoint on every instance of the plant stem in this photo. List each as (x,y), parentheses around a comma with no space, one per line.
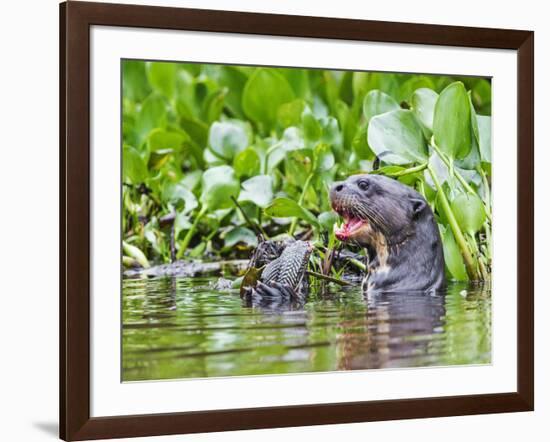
(185,243)
(358,264)
(173,242)
(457,232)
(256,227)
(449,165)
(487,224)
(465,185)
(409,171)
(487,193)
(483,268)
(300,203)
(475,252)
(327,278)
(488,240)
(269,151)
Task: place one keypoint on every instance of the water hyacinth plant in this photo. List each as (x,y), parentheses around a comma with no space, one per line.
(216,156)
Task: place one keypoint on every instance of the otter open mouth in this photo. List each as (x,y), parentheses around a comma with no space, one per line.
(350,226)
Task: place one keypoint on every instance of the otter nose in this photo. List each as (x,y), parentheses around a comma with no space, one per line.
(338,187)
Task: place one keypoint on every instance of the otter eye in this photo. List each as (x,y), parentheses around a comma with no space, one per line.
(363,185)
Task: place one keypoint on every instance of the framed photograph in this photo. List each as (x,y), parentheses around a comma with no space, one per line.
(275,220)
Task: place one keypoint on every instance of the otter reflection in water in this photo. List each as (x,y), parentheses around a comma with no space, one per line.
(397,328)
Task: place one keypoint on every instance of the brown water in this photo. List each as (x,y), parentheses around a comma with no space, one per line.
(181,328)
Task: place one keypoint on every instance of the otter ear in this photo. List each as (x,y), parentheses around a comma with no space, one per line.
(418,206)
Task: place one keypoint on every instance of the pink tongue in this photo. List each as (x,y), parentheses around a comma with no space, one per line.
(348,227)
(352,223)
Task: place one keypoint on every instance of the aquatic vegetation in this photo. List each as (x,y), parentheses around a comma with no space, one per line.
(216,156)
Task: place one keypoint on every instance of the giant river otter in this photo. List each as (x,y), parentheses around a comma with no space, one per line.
(396,226)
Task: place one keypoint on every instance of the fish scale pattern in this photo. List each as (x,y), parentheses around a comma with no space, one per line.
(289,268)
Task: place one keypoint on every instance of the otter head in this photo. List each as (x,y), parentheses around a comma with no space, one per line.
(378,211)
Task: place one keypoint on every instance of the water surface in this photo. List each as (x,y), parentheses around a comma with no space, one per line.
(182,328)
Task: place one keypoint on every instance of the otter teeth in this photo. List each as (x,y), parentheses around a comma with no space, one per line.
(349,227)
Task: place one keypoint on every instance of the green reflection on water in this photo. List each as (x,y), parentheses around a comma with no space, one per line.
(182,328)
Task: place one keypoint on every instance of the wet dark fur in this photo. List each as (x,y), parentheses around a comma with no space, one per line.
(402,239)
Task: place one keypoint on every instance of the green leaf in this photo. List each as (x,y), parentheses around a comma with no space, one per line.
(473,120)
(135,86)
(331,132)
(186,105)
(364,82)
(218,185)
(388,170)
(192,179)
(129,262)
(211,159)
(240,235)
(263,94)
(472,160)
(319,108)
(176,192)
(160,139)
(249,279)
(213,106)
(310,125)
(159,158)
(227,138)
(197,130)
(360,84)
(290,114)
(285,208)
(292,139)
(452,255)
(346,121)
(330,89)
(298,80)
(442,171)
(360,145)
(153,236)
(181,223)
(234,81)
(423,105)
(396,138)
(414,83)
(327,220)
(258,190)
(323,157)
(345,88)
(377,102)
(134,252)
(481,95)
(162,77)
(198,250)
(469,212)
(275,157)
(134,168)
(484,125)
(298,166)
(247,163)
(452,127)
(440,168)
(151,115)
